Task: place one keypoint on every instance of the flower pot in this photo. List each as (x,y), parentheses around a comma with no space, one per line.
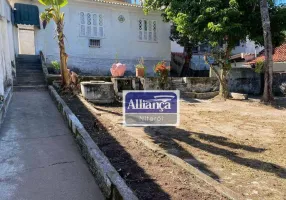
(140,72)
(118,69)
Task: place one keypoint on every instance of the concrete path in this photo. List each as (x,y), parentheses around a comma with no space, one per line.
(39,159)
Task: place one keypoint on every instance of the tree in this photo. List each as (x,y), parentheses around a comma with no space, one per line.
(188,45)
(220,22)
(268,64)
(54,13)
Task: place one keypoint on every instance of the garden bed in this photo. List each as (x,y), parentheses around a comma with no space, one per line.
(149,174)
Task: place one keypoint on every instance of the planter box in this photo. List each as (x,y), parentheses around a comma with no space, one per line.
(98,91)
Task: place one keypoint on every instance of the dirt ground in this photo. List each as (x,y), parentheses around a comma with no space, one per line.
(238,143)
(149,174)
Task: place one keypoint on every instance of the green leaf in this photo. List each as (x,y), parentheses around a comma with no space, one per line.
(46,2)
(60,3)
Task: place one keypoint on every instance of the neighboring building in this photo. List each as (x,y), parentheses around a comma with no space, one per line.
(7,56)
(244,51)
(97,32)
(280,2)
(247,47)
(279,59)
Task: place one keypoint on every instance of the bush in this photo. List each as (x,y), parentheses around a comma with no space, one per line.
(56,65)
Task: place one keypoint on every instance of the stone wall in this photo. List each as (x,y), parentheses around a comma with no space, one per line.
(279,84)
(244,80)
(184,84)
(202,84)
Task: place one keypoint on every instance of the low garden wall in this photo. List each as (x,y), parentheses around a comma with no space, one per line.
(110,182)
(184,84)
(279,84)
(247,81)
(244,80)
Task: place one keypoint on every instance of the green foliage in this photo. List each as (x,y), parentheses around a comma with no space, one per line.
(53,12)
(56,65)
(60,3)
(141,63)
(220,21)
(259,67)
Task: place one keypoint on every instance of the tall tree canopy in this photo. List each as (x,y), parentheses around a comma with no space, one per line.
(222,23)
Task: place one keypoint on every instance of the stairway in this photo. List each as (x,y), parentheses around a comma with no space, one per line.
(29,73)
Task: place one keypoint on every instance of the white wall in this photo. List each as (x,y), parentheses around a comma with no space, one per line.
(6,46)
(247,47)
(120,38)
(175,47)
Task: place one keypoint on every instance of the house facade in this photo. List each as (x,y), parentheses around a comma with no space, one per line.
(279,59)
(98,33)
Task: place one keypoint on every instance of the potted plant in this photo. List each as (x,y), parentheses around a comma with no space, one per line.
(140,68)
(163,72)
(117,69)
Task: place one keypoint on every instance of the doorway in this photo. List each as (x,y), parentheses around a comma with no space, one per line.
(26,38)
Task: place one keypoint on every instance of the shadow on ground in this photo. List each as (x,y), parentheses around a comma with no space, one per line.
(135,176)
(166,137)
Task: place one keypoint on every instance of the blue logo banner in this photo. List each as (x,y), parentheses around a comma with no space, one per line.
(151,108)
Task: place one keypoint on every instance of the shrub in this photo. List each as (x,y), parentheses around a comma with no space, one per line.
(56,65)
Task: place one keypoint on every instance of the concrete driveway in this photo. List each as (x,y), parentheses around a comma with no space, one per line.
(39,159)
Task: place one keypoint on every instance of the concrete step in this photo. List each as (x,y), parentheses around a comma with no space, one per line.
(23,66)
(25,73)
(29,87)
(30,82)
(28,68)
(28,57)
(31,62)
(28,63)
(23,70)
(30,78)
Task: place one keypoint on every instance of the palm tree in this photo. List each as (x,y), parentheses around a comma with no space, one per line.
(54,12)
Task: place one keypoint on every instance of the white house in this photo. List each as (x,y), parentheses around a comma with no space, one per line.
(97,32)
(243,51)
(6,46)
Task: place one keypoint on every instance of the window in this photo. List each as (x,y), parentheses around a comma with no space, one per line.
(91,25)
(147,30)
(137,2)
(94,43)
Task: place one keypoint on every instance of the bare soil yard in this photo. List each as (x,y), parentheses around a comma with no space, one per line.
(149,174)
(240,144)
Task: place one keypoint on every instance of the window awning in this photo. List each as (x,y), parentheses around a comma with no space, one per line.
(26,14)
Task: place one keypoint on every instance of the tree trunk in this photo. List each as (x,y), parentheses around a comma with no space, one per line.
(63,55)
(188,56)
(225,68)
(223,87)
(268,65)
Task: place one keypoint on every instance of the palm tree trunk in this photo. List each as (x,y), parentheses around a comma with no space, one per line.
(268,65)
(63,55)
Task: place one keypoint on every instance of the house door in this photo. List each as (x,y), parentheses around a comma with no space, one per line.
(26,38)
